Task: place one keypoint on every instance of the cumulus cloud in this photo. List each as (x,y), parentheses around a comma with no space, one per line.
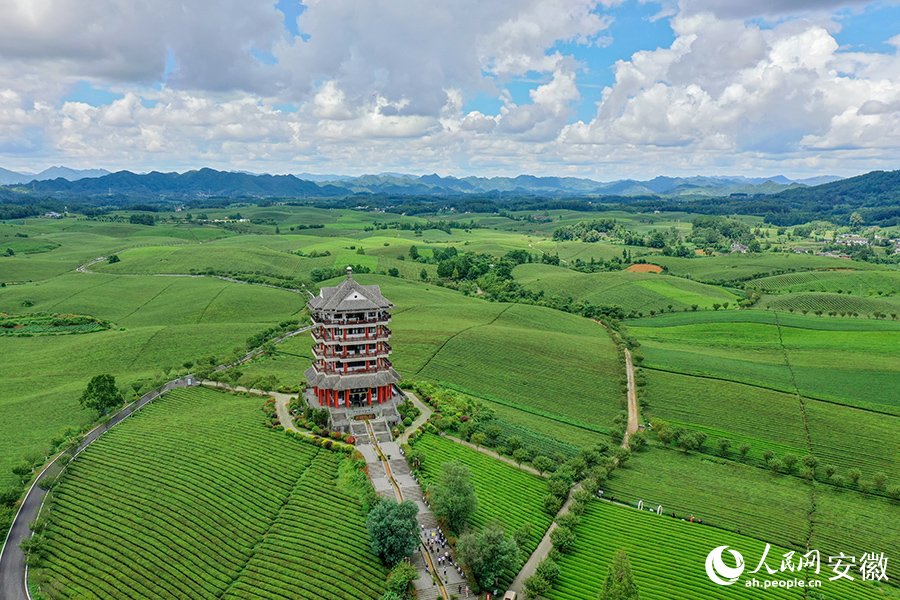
(728,86)
(384,85)
(215,47)
(411,53)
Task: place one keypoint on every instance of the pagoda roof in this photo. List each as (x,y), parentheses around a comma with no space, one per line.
(349,296)
(335,381)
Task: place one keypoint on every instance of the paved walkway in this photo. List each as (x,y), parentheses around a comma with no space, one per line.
(391,476)
(420,420)
(542,550)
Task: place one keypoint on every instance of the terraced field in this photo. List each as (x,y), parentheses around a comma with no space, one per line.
(230,510)
(525,358)
(826,303)
(632,291)
(668,556)
(848,361)
(724,494)
(544,444)
(504,492)
(850,282)
(765,419)
(732,268)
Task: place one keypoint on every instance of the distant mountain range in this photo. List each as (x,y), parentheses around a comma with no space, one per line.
(210,182)
(8,177)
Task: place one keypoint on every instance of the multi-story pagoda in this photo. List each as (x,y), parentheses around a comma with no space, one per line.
(351,349)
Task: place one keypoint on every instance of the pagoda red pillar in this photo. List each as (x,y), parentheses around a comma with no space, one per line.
(369,395)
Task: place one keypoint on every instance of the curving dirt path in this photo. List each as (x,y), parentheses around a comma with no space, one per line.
(633,412)
(542,252)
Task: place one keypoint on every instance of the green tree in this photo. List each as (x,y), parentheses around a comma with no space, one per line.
(893,492)
(854,475)
(414,253)
(622,455)
(478,439)
(666,436)
(768,455)
(423,274)
(537,586)
(744,449)
(513,443)
(700,439)
(552,504)
(724,444)
(453,495)
(789,460)
(619,583)
(811,461)
(520,455)
(488,554)
(393,529)
(492,433)
(548,569)
(400,577)
(101,394)
(562,538)
(541,463)
(637,441)
(114,259)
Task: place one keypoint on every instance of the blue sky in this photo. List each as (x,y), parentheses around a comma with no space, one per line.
(604,89)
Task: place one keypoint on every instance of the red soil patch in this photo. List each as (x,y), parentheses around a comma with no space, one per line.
(645,268)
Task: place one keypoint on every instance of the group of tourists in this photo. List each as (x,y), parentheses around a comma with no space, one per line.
(439,549)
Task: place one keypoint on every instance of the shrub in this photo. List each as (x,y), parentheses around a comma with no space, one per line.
(562,538)
(552,504)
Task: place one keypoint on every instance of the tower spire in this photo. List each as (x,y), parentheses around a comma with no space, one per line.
(349,272)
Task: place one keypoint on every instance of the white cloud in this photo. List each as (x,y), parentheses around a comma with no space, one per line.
(109,40)
(383,85)
(729,86)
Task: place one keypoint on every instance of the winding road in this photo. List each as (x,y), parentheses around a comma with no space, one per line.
(13,571)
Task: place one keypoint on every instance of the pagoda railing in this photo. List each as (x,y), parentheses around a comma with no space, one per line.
(381,318)
(351,337)
(330,352)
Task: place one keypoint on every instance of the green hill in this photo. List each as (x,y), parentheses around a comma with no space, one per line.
(638,292)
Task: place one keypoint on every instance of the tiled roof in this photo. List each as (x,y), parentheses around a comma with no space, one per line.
(333,381)
(350,296)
